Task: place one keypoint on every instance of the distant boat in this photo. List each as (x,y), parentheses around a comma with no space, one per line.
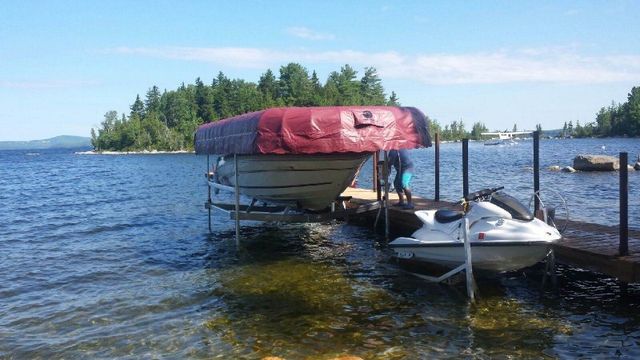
(503,137)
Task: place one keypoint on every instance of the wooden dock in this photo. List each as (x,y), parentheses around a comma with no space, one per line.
(590,246)
(595,247)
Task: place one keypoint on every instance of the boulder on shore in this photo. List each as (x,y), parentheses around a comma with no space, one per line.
(596,163)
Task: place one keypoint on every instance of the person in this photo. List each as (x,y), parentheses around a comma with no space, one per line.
(401,161)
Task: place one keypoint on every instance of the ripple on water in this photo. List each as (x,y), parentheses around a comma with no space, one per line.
(102,260)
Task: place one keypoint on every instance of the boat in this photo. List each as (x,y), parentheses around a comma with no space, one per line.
(305,157)
(306,182)
(503,137)
(502,233)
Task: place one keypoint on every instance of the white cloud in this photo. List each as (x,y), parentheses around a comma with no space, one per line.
(559,65)
(306,33)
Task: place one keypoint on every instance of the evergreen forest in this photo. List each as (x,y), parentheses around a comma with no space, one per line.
(613,121)
(167,120)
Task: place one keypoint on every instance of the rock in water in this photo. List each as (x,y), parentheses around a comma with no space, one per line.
(637,166)
(554,168)
(568,169)
(596,163)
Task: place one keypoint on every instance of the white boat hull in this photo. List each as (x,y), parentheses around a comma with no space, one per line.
(495,256)
(309,181)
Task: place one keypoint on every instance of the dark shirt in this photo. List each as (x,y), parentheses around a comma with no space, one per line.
(400,160)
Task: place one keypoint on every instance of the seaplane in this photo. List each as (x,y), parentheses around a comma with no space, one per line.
(503,137)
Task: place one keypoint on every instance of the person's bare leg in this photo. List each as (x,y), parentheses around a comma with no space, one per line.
(400,197)
(407,192)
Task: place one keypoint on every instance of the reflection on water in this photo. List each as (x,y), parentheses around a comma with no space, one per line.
(118,264)
(293,306)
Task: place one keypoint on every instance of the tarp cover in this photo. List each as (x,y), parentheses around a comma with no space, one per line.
(316,130)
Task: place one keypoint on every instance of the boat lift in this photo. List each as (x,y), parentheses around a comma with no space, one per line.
(467,266)
(283,213)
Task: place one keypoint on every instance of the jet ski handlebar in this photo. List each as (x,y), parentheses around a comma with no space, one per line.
(482,193)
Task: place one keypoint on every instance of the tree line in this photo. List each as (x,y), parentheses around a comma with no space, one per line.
(614,120)
(167,120)
(456,130)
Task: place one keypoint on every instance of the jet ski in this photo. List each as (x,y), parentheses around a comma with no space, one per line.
(503,234)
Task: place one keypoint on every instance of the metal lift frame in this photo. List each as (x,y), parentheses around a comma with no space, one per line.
(277,213)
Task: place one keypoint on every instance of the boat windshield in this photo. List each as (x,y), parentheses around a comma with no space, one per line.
(512,205)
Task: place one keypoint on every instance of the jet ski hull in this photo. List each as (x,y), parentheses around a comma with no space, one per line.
(495,256)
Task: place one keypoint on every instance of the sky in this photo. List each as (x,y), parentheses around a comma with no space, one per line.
(64,64)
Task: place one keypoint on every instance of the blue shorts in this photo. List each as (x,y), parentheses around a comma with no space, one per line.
(403,180)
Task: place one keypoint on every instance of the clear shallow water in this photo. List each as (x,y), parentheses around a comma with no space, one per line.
(109,256)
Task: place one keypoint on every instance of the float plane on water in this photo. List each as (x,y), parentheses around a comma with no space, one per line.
(503,137)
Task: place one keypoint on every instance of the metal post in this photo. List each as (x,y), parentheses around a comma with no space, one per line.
(437,167)
(385,171)
(467,260)
(465,167)
(209,193)
(623,247)
(237,191)
(376,182)
(536,171)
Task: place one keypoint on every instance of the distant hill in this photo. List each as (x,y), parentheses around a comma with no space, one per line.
(58,142)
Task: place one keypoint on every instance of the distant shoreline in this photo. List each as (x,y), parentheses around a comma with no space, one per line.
(140,152)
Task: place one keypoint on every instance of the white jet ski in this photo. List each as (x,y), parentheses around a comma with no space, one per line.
(503,234)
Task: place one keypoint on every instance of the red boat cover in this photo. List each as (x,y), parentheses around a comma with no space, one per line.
(313,130)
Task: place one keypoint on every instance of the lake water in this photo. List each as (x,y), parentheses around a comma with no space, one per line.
(110,257)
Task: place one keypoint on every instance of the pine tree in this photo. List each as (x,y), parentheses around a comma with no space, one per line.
(138,107)
(348,86)
(152,102)
(316,89)
(294,85)
(632,113)
(222,97)
(268,86)
(393,99)
(434,126)
(371,88)
(94,139)
(331,94)
(477,129)
(204,102)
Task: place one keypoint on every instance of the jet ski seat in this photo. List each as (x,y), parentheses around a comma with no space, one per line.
(444,216)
